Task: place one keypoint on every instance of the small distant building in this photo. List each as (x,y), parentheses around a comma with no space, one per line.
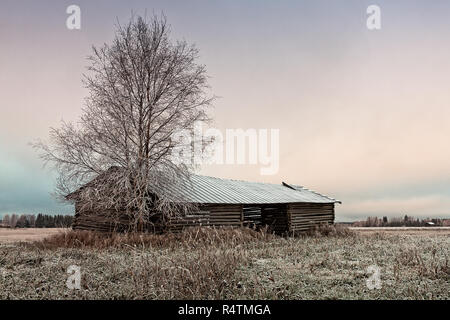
(284,208)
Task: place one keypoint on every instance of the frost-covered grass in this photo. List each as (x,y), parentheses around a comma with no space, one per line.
(228,264)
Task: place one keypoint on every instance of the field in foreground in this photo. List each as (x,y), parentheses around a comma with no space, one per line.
(228,264)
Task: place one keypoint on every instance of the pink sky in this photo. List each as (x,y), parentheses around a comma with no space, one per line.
(363,115)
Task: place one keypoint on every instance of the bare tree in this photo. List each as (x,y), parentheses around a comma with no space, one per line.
(31,220)
(143,87)
(6,220)
(13,221)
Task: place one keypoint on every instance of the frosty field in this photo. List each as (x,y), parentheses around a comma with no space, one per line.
(229,264)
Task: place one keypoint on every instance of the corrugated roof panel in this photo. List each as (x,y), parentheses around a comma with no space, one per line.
(204,189)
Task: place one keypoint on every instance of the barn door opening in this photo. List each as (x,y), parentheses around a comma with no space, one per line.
(273,216)
(252,217)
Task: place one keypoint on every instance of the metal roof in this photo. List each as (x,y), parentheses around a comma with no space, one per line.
(313,194)
(211,190)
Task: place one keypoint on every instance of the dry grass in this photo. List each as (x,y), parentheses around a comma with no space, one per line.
(227,263)
(327,230)
(27,235)
(191,238)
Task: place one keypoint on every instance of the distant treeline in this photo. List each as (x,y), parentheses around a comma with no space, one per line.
(401,222)
(39,221)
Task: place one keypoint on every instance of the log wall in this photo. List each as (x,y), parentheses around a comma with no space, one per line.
(94,221)
(281,219)
(209,215)
(304,216)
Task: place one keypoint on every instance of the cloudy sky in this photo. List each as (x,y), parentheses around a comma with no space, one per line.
(364,115)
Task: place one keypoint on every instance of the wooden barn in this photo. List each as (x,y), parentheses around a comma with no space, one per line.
(284,208)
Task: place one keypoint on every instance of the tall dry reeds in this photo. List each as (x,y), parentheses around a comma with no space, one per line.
(192,237)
